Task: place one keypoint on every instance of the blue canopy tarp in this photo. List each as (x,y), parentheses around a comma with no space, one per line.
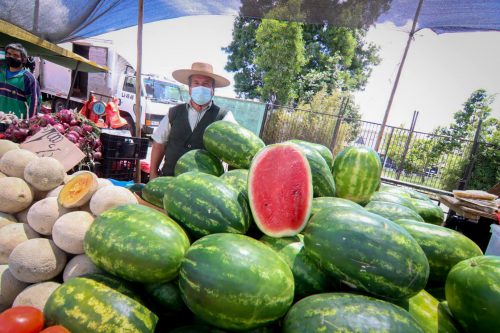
(65,20)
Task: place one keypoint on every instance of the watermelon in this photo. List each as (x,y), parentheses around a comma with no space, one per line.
(166,297)
(393,198)
(429,211)
(232,143)
(120,285)
(280,190)
(343,312)
(396,190)
(204,204)
(356,171)
(208,329)
(235,282)
(136,243)
(329,202)
(473,293)
(392,211)
(367,251)
(308,276)
(154,190)
(322,178)
(443,247)
(237,178)
(322,150)
(199,160)
(430,314)
(83,305)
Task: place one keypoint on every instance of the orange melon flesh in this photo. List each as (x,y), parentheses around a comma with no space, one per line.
(78,190)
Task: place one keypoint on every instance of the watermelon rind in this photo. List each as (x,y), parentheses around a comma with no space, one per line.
(136,243)
(235,282)
(367,252)
(154,190)
(473,293)
(199,160)
(331,202)
(83,305)
(429,211)
(321,149)
(344,312)
(392,211)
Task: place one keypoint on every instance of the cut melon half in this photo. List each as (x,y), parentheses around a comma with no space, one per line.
(280,190)
(78,191)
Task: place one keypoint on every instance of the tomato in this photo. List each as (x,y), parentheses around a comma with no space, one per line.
(55,329)
(21,319)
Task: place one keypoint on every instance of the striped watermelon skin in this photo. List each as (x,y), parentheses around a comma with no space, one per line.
(166,297)
(309,277)
(280,190)
(443,247)
(367,251)
(392,198)
(204,204)
(392,211)
(84,305)
(199,160)
(429,211)
(136,243)
(237,178)
(343,312)
(235,282)
(330,202)
(154,190)
(430,314)
(322,177)
(473,293)
(396,190)
(322,150)
(356,171)
(120,285)
(232,143)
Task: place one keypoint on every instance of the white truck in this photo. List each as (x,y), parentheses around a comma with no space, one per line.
(158,94)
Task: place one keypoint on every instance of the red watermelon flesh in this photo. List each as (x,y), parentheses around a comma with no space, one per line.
(280,190)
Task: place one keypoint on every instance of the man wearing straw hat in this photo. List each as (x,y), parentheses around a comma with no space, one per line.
(182,129)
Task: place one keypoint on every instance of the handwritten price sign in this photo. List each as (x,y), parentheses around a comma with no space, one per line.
(48,142)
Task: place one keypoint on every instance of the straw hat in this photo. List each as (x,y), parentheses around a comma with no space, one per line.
(200,68)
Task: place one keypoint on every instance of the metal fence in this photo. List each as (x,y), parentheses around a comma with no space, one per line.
(407,155)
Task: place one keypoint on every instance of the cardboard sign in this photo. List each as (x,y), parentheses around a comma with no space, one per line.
(48,142)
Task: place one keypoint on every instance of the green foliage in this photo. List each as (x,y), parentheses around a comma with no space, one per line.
(332,57)
(279,57)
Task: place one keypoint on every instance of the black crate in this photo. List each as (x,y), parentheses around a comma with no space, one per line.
(118,169)
(3,127)
(122,147)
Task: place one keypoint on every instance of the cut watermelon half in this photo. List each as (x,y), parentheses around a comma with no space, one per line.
(280,190)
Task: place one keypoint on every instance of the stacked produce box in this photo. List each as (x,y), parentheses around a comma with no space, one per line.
(290,239)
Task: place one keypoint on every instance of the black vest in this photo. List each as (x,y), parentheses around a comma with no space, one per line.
(181,138)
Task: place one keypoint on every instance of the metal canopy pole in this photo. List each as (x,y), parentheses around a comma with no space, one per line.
(140,13)
(72,84)
(396,82)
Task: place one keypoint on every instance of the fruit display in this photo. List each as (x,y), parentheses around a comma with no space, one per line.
(257,248)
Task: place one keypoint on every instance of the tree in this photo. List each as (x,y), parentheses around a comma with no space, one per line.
(335,57)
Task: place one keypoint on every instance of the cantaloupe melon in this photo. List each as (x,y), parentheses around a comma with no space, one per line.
(79,265)
(44,213)
(78,191)
(109,197)
(6,145)
(15,196)
(6,219)
(36,295)
(103,182)
(67,178)
(54,192)
(44,174)
(10,287)
(14,161)
(12,235)
(2,175)
(69,231)
(36,260)
(22,216)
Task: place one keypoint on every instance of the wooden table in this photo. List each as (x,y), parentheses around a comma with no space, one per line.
(468,210)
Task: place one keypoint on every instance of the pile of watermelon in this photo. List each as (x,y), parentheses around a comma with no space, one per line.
(249,237)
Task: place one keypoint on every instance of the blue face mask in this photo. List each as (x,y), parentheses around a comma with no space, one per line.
(201,95)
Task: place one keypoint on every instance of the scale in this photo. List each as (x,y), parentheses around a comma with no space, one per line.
(98,108)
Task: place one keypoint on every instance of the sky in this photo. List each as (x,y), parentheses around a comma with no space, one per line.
(440,73)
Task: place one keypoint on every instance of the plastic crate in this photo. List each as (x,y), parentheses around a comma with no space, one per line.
(121,147)
(119,169)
